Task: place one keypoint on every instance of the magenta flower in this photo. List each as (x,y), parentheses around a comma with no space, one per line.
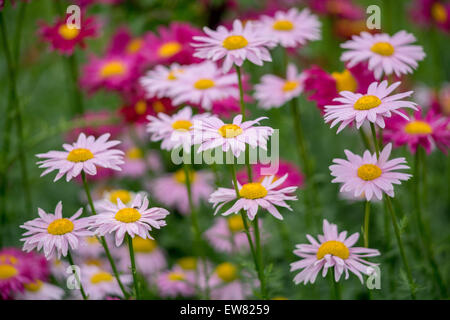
(346,9)
(431,13)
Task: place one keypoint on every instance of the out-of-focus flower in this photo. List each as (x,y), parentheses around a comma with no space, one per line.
(385,54)
(158,81)
(39,290)
(346,28)
(226,285)
(431,13)
(369,175)
(338,8)
(332,250)
(96,124)
(124,43)
(235,46)
(176,282)
(137,111)
(441,101)
(428,132)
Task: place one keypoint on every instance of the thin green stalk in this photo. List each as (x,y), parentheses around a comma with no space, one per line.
(336,293)
(375,140)
(365,139)
(366,223)
(412,285)
(258,250)
(77,97)
(77,278)
(102,239)
(133,267)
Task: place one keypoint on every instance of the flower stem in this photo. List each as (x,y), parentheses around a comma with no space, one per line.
(375,140)
(102,239)
(336,287)
(77,278)
(412,285)
(72,70)
(133,267)
(365,139)
(366,223)
(258,250)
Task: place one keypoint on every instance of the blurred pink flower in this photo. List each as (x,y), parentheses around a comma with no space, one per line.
(431,13)
(176,282)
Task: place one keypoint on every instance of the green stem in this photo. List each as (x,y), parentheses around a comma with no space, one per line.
(336,287)
(102,239)
(366,223)
(133,267)
(83,293)
(258,250)
(375,140)
(365,139)
(77,98)
(412,285)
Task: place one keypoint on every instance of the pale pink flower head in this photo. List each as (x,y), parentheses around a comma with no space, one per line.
(332,250)
(99,283)
(136,219)
(211,132)
(373,106)
(39,290)
(158,81)
(292,28)
(429,131)
(386,54)
(15,272)
(274,92)
(176,282)
(253,195)
(55,234)
(225,283)
(83,155)
(369,175)
(202,84)
(235,46)
(170,189)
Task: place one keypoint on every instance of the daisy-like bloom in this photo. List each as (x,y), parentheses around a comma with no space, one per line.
(274,92)
(136,111)
(202,84)
(373,106)
(64,37)
(83,155)
(55,234)
(171,191)
(369,175)
(428,132)
(124,43)
(226,285)
(240,44)
(39,290)
(15,271)
(136,219)
(386,54)
(431,12)
(332,250)
(292,28)
(174,131)
(212,132)
(99,283)
(95,123)
(158,81)
(176,282)
(254,195)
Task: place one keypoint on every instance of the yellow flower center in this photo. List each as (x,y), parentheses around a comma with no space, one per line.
(418,127)
(234,42)
(93,262)
(134,153)
(121,194)
(101,276)
(140,107)
(383,48)
(182,125)
(369,172)
(230,130)
(367,102)
(143,245)
(283,25)
(438,12)
(158,106)
(169,49)
(253,190)
(60,226)
(67,33)
(203,84)
(290,85)
(6,258)
(34,286)
(227,272)
(335,248)
(80,155)
(187,263)
(127,215)
(180,176)
(176,276)
(345,81)
(235,223)
(279,298)
(134,45)
(112,68)
(92,240)
(7,271)
(172,76)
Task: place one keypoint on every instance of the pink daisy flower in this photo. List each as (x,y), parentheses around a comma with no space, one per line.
(124,43)
(211,132)
(274,92)
(254,195)
(171,191)
(64,39)
(136,219)
(39,290)
(369,175)
(202,84)
(53,233)
(158,81)
(226,285)
(99,283)
(15,271)
(372,106)
(385,54)
(176,282)
(292,28)
(431,12)
(332,250)
(174,131)
(236,46)
(83,155)
(428,132)
(136,111)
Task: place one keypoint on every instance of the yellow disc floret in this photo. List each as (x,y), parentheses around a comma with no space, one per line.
(101,276)
(176,276)
(112,68)
(203,84)
(230,130)
(253,190)
(34,286)
(290,85)
(235,223)
(344,81)
(187,263)
(227,272)
(80,155)
(367,102)
(143,245)
(180,176)
(134,153)
(140,107)
(182,125)
(283,25)
(127,215)
(169,49)
(418,127)
(234,42)
(438,12)
(123,195)
(335,248)
(369,172)
(383,48)
(68,33)
(7,271)
(60,226)
(134,45)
